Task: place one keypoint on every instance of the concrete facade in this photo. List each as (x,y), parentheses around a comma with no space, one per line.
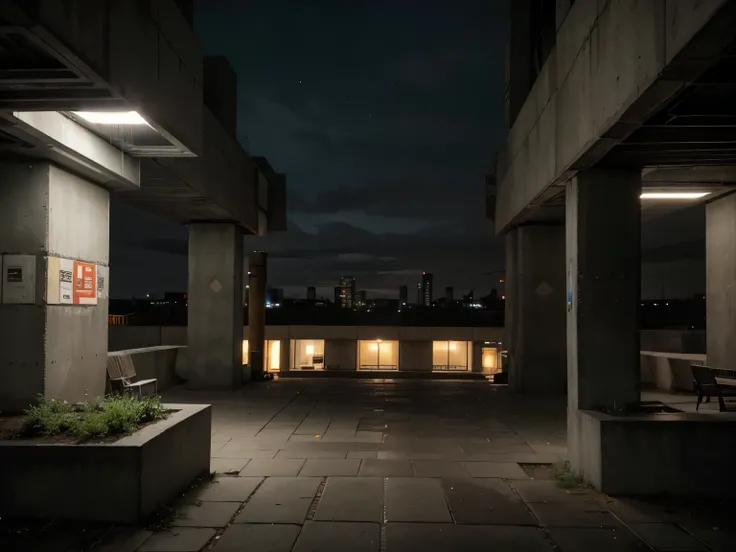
(603,234)
(257,276)
(720,262)
(214,335)
(535,315)
(51,350)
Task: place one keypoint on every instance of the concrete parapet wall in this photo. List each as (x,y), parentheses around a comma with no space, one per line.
(158,362)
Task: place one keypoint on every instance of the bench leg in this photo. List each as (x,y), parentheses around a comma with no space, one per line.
(700,399)
(721,403)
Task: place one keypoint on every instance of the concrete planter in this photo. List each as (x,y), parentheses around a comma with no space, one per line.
(682,454)
(121,482)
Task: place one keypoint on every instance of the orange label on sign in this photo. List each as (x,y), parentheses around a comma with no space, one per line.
(85,283)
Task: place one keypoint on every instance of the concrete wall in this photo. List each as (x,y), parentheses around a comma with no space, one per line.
(415,356)
(608,56)
(158,362)
(58,350)
(131,337)
(673,341)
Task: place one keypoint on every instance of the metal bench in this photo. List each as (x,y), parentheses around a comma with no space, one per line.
(121,371)
(706,386)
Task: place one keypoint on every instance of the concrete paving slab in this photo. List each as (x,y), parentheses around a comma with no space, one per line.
(448,537)
(416,500)
(260,537)
(228,489)
(206,514)
(273,468)
(121,539)
(386,468)
(325,468)
(311,453)
(571,514)
(319,536)
(667,537)
(351,499)
(439,468)
(362,454)
(543,491)
(506,470)
(485,502)
(227,465)
(178,539)
(585,539)
(281,500)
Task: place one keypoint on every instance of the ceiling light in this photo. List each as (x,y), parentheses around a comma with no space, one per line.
(674,195)
(112,117)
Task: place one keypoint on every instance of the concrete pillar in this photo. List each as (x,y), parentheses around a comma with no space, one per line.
(603,244)
(215,312)
(257,313)
(535,308)
(720,268)
(54,242)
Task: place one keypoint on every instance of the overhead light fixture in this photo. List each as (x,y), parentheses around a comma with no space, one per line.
(112,117)
(674,195)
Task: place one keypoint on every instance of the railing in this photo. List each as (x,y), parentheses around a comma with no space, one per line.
(117,319)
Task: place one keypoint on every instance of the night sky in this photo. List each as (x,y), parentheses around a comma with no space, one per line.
(385,116)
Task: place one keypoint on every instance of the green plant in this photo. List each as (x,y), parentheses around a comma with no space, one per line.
(565,477)
(104,417)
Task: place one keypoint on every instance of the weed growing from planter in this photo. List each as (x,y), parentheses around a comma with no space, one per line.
(104,417)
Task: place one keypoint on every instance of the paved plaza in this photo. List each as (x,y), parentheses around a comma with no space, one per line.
(371,465)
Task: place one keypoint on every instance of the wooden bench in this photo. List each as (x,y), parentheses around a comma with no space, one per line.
(121,371)
(706,386)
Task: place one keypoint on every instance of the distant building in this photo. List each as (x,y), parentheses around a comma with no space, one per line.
(403,295)
(311,293)
(362,297)
(274,297)
(419,294)
(347,292)
(337,296)
(449,296)
(426,287)
(246,295)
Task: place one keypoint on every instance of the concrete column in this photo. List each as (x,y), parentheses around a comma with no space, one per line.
(257,313)
(53,317)
(215,312)
(603,244)
(535,308)
(720,268)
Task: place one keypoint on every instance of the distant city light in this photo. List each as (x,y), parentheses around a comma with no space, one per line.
(112,117)
(673,195)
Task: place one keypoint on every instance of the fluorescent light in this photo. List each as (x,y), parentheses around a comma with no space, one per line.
(112,117)
(673,195)
(310,349)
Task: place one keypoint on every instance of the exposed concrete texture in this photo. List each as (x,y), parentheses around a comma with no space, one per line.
(122,481)
(257,271)
(215,319)
(220,91)
(680,454)
(590,94)
(720,262)
(57,350)
(535,309)
(415,356)
(603,235)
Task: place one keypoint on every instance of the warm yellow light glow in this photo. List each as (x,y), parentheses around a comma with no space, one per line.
(274,361)
(673,195)
(452,346)
(112,117)
(378,340)
(245,351)
(374,347)
(310,349)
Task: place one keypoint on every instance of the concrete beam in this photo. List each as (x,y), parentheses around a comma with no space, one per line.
(590,95)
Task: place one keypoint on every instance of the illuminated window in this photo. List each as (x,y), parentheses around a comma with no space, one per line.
(452,355)
(490,360)
(378,355)
(307,354)
(273,355)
